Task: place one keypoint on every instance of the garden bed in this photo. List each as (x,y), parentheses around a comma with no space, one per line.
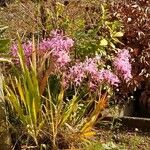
(70,63)
(125,139)
(124,133)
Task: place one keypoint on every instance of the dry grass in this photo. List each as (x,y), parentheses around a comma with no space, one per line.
(19,17)
(127,140)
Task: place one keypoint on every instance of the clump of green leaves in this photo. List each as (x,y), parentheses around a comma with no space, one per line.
(51,115)
(24,96)
(100,35)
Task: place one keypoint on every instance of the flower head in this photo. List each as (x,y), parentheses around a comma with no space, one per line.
(109,77)
(27,48)
(59,46)
(77,73)
(94,77)
(57,42)
(122,64)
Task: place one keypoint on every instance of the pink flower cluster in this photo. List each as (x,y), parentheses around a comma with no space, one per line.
(76,74)
(60,47)
(58,44)
(88,71)
(110,77)
(122,64)
(27,47)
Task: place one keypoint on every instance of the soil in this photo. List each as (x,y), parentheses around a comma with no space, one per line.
(125,139)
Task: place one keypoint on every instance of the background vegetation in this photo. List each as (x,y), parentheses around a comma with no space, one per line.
(56,52)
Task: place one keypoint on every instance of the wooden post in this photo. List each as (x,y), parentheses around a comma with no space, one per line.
(4,133)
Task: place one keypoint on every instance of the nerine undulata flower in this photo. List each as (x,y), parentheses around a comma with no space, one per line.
(27,47)
(123,65)
(59,46)
(109,77)
(76,74)
(89,70)
(57,42)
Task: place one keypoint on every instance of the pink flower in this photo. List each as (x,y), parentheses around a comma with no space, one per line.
(59,46)
(27,47)
(94,77)
(90,66)
(62,58)
(109,77)
(45,45)
(58,42)
(122,64)
(77,73)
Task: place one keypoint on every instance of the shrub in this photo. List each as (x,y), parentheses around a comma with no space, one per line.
(47,115)
(39,95)
(135,18)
